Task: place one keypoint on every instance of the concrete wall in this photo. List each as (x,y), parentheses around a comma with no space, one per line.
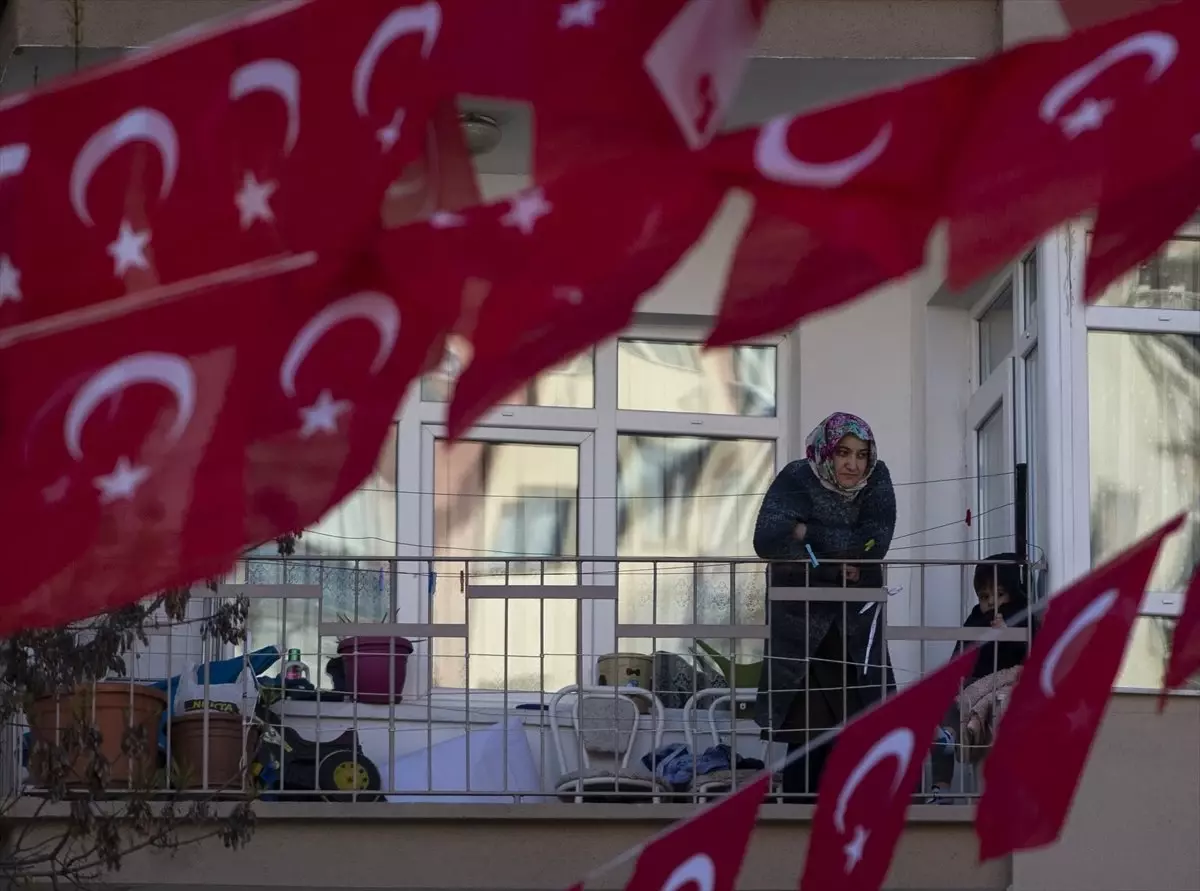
(1134,827)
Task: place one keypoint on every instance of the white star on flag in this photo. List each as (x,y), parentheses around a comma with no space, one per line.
(388,136)
(855,847)
(573,296)
(525,209)
(322,416)
(444,219)
(1089,115)
(129,250)
(10,280)
(254,201)
(122,483)
(1079,717)
(581,13)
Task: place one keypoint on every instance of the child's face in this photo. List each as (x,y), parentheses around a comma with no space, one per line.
(991,597)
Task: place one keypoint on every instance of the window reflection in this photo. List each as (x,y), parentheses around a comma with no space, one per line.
(684,377)
(505,500)
(690,497)
(1146,659)
(1168,280)
(569,385)
(996,333)
(1144,395)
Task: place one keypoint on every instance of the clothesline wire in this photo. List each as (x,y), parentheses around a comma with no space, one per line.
(619,497)
(654,571)
(464,552)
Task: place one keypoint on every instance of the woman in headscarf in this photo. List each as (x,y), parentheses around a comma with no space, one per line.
(825,660)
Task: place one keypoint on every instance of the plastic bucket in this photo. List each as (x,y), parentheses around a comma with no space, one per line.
(375,667)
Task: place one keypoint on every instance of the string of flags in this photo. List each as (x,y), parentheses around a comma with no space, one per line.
(274,227)
(875,767)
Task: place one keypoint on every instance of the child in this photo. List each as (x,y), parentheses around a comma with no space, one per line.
(1001,599)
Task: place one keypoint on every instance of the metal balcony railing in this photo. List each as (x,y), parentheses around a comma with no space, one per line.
(548,679)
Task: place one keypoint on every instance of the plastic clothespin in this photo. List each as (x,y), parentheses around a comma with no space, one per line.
(968,518)
(870,545)
(811,556)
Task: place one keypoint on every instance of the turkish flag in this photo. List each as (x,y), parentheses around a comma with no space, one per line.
(869,780)
(865,176)
(1130,228)
(527,324)
(608,77)
(1185,642)
(705,851)
(1151,186)
(148,444)
(782,273)
(1042,138)
(259,136)
(1041,748)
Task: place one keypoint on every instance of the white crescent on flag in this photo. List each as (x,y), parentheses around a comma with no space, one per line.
(164,369)
(425,19)
(697,870)
(1159,47)
(1089,616)
(272,76)
(775,160)
(138,125)
(378,309)
(899,744)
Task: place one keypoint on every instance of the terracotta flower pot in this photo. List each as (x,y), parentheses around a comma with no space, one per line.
(112,707)
(228,751)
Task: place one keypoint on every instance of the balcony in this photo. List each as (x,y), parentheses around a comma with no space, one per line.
(385,752)
(511,693)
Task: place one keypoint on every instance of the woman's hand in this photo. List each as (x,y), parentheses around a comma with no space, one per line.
(800,531)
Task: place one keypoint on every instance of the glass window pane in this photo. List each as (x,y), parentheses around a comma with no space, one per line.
(1144,409)
(361,526)
(506,500)
(995,520)
(1038,496)
(569,385)
(1168,280)
(996,333)
(1029,287)
(683,496)
(684,377)
(1146,658)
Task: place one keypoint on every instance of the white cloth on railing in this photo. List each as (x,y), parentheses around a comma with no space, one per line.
(498,761)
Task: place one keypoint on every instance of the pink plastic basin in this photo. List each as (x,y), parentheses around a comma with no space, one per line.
(376,667)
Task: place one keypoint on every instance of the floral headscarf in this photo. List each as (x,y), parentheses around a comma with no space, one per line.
(823,441)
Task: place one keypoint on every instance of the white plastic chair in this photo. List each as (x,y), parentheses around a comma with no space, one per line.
(718,781)
(606,720)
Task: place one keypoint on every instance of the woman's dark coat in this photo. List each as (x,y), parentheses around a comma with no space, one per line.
(837,528)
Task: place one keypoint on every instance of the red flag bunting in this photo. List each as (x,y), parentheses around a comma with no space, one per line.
(1058,703)
(148,448)
(1059,102)
(1185,643)
(705,852)
(868,782)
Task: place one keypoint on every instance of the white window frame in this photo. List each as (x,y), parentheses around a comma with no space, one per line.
(602,423)
(1068,322)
